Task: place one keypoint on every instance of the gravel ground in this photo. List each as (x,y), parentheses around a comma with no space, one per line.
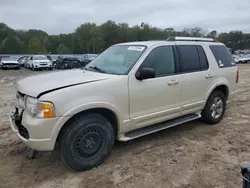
(192,155)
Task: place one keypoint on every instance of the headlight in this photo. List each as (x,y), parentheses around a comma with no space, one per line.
(39,109)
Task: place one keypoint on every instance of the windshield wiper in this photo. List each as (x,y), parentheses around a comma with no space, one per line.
(97,69)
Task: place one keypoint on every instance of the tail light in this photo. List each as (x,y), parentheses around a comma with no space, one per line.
(237,76)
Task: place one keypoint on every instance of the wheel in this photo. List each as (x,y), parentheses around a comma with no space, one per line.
(215,108)
(86,142)
(50,69)
(240,62)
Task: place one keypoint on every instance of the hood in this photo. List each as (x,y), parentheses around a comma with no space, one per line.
(6,62)
(35,86)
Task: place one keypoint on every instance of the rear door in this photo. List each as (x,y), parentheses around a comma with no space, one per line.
(197,77)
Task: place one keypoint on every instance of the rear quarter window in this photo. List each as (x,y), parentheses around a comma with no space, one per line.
(222,55)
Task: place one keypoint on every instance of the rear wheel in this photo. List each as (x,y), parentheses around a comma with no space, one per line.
(215,108)
(86,142)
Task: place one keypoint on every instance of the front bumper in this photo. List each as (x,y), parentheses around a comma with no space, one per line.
(37,66)
(7,66)
(35,133)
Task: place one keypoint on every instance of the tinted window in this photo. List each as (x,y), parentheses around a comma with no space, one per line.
(203,58)
(222,55)
(161,59)
(189,58)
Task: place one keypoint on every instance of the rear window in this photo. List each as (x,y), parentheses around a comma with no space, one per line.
(223,56)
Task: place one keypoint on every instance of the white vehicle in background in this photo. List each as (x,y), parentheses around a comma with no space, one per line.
(242,59)
(9,62)
(39,62)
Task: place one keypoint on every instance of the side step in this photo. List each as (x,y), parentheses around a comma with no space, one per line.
(157,127)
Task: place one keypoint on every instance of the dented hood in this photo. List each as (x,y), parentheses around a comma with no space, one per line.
(37,85)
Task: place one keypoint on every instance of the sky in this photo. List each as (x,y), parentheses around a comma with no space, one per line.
(64,16)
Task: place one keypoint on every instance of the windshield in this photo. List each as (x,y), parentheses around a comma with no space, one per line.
(40,57)
(9,58)
(117,59)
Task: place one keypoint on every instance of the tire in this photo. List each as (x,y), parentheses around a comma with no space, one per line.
(219,110)
(50,69)
(97,134)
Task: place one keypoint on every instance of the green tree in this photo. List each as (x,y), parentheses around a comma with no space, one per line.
(63,49)
(36,47)
(11,45)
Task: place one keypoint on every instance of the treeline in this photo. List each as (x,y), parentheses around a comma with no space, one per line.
(92,38)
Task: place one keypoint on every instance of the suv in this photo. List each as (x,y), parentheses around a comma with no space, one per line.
(39,62)
(130,90)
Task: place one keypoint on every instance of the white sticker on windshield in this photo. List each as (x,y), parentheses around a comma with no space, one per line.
(136,48)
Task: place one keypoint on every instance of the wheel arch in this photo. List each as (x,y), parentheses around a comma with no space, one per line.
(223,87)
(105,112)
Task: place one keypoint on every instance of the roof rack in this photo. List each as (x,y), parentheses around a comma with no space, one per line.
(200,39)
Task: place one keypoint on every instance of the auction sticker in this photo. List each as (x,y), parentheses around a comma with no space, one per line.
(136,48)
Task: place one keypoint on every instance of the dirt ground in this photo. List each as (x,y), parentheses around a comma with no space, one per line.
(192,155)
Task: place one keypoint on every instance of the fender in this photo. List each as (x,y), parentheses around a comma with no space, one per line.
(123,125)
(223,82)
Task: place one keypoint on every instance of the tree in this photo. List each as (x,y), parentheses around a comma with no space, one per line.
(11,45)
(63,49)
(36,47)
(93,38)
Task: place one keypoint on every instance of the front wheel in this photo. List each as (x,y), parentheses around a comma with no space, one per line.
(86,142)
(215,108)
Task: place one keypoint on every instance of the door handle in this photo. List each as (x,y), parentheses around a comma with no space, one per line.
(209,76)
(173,82)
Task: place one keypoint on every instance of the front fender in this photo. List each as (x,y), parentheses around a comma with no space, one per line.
(84,107)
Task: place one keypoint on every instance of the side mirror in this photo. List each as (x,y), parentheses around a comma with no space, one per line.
(145,73)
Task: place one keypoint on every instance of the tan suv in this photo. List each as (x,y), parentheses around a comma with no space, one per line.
(130,90)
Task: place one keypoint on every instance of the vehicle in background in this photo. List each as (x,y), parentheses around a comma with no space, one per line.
(22,60)
(58,61)
(68,63)
(82,61)
(243,59)
(25,61)
(89,57)
(9,62)
(39,62)
(53,59)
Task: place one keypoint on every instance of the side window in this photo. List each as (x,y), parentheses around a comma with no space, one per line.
(161,59)
(203,58)
(222,55)
(189,58)
(31,57)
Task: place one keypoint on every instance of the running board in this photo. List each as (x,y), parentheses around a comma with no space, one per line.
(157,127)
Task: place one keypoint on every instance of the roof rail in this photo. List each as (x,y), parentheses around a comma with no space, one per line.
(200,39)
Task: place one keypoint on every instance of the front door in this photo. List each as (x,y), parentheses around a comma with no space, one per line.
(157,99)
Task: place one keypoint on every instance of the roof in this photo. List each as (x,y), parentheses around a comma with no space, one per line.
(154,42)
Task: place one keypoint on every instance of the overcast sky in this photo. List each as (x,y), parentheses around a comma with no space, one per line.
(64,16)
